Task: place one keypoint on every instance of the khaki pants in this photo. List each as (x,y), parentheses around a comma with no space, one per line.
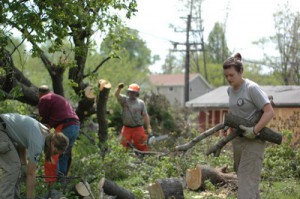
(10,167)
(248,162)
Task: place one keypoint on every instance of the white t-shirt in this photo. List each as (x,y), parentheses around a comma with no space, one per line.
(25,131)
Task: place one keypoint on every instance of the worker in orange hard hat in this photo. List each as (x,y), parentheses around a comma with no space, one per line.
(134,117)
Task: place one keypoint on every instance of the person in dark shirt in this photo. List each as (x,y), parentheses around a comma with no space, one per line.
(56,112)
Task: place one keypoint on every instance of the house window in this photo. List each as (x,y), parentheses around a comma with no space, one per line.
(170,88)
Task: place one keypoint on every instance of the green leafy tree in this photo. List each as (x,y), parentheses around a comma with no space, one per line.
(172,65)
(76,24)
(131,48)
(217,49)
(286,41)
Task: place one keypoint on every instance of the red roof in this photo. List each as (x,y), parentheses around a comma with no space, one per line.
(169,79)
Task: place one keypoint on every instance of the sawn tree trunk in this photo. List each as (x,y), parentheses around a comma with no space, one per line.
(196,177)
(166,188)
(112,189)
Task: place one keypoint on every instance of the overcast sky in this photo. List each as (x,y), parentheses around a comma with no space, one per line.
(247,21)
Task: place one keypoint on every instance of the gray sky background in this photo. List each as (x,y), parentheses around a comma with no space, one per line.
(247,21)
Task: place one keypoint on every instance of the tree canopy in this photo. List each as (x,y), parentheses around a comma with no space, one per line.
(286,62)
(68,29)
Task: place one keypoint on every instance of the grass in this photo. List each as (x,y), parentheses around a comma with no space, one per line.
(285,189)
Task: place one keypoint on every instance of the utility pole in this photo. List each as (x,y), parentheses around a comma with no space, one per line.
(188,49)
(187,62)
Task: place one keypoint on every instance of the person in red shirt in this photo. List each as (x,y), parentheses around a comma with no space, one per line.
(56,112)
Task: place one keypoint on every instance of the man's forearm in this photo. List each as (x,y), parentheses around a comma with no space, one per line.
(117,92)
(30,181)
(147,123)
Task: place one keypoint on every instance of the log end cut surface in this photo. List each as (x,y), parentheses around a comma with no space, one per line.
(193,178)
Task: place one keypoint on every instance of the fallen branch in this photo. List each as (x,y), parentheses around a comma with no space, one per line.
(139,152)
(216,149)
(233,121)
(200,137)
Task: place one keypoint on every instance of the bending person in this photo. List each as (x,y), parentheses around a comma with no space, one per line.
(20,134)
(57,112)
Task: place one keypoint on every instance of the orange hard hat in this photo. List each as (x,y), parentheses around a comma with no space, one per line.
(134,88)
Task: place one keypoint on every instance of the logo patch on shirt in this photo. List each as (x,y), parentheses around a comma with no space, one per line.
(240,102)
(37,157)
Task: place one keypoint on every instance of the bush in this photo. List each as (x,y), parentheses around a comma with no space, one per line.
(282,161)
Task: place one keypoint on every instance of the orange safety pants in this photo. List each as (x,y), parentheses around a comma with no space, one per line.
(137,135)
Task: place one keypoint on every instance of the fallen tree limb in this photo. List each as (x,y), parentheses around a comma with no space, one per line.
(196,177)
(139,152)
(200,137)
(233,121)
(216,149)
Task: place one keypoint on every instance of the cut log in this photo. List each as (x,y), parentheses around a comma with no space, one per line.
(265,134)
(81,189)
(166,188)
(112,189)
(89,92)
(200,137)
(196,177)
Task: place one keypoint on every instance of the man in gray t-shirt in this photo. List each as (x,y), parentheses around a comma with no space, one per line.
(134,116)
(21,135)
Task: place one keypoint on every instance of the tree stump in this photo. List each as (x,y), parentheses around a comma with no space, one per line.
(101,102)
(166,188)
(196,177)
(111,188)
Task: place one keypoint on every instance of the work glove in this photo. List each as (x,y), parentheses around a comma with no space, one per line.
(248,132)
(23,172)
(120,85)
(149,130)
